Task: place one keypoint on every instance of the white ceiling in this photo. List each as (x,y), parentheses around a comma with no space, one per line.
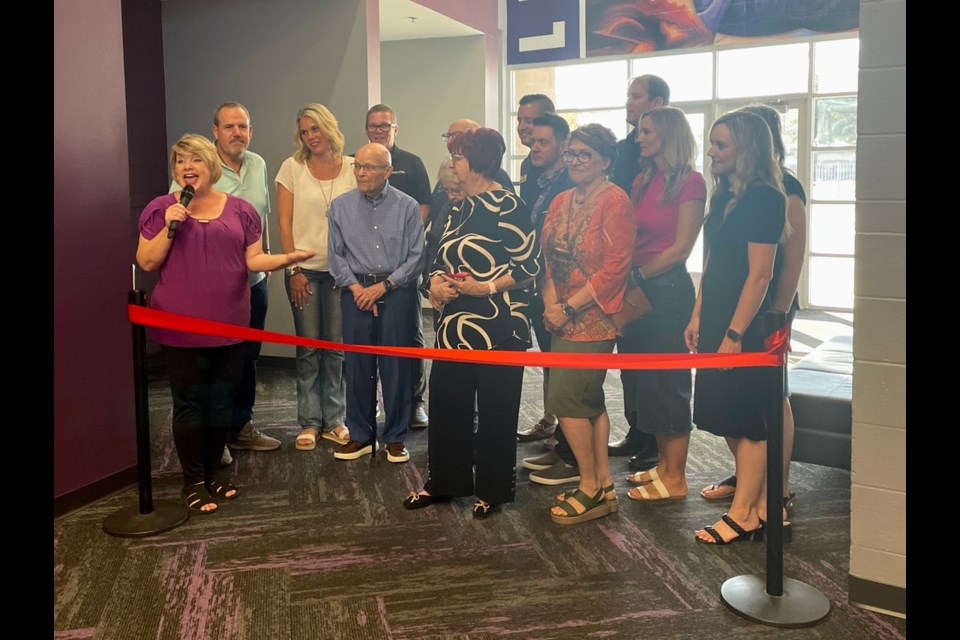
(395,22)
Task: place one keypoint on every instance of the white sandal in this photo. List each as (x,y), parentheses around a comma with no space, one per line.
(305,435)
(339,434)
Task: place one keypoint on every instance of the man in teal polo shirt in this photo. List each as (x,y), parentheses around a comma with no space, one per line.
(244,176)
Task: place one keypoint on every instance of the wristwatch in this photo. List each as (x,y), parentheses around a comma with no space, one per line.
(736,336)
(568,310)
(388,285)
(292,270)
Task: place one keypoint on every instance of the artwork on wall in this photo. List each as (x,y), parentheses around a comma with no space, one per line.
(640,26)
(557,30)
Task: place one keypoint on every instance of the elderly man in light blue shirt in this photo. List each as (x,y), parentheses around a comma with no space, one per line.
(244,176)
(375,242)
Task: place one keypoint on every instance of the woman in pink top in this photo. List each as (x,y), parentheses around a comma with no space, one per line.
(669,196)
(202,248)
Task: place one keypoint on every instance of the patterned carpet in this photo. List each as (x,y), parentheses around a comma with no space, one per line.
(321,549)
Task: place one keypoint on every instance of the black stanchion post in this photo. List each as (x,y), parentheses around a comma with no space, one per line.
(147,518)
(778,601)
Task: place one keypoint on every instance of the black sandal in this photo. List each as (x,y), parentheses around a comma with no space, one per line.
(196,497)
(483,510)
(220,490)
(742,534)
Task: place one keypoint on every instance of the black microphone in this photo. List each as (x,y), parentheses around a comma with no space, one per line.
(185,197)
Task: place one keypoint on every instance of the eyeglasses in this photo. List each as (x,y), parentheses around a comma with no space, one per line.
(456,156)
(383,126)
(455,192)
(447,135)
(580,157)
(369,167)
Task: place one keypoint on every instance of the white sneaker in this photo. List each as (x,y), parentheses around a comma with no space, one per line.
(226,459)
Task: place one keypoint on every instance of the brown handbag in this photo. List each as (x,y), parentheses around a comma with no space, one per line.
(635,306)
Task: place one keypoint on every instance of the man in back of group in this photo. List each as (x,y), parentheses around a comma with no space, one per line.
(646,92)
(244,176)
(409,176)
(549,141)
(531,106)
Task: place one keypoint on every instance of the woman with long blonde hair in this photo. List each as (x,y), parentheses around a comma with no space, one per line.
(307,183)
(745,223)
(669,196)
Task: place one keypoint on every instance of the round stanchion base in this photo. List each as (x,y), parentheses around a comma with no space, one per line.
(800,605)
(130,523)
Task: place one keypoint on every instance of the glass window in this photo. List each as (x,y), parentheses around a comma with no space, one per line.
(527,81)
(613,119)
(835,122)
(831,282)
(834,175)
(763,71)
(832,228)
(836,65)
(587,86)
(690,76)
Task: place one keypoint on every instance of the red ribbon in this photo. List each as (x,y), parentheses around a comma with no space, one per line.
(775,356)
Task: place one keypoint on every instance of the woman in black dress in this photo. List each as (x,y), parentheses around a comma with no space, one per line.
(786,277)
(745,223)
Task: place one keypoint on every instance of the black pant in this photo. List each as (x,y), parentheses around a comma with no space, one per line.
(203,384)
(418,368)
(247,392)
(450,447)
(544,339)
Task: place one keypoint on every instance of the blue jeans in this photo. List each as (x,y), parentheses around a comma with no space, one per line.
(321,387)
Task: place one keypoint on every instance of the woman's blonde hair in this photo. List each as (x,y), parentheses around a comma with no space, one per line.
(194,143)
(328,125)
(756,162)
(678,149)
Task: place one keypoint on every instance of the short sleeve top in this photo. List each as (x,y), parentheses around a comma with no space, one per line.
(205,272)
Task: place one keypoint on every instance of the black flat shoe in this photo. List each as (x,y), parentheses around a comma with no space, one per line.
(483,510)
(646,459)
(635,443)
(419,501)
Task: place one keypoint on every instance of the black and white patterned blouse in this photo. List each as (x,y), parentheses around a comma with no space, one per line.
(488,235)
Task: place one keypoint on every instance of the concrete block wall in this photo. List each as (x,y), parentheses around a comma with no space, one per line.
(878,556)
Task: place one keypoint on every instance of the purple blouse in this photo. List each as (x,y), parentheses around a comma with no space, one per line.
(205,272)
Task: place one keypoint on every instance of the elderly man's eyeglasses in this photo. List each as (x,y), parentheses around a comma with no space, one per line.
(580,157)
(369,167)
(383,126)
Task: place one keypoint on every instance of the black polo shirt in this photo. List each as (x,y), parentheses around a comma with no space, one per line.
(409,175)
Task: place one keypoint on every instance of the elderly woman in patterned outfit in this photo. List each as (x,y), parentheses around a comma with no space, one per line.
(488,254)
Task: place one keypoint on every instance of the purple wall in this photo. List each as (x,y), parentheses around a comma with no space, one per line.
(92,375)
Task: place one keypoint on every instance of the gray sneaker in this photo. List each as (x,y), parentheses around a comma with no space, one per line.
(559,473)
(252,439)
(226,459)
(539,463)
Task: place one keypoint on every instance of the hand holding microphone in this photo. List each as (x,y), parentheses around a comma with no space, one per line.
(185,197)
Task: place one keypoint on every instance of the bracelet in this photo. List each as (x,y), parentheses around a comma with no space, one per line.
(492,286)
(292,270)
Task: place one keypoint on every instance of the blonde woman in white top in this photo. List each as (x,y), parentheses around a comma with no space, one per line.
(306,184)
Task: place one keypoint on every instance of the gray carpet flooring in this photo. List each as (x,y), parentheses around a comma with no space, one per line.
(316,549)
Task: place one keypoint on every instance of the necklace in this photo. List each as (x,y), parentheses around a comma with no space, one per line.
(580,201)
(314,171)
